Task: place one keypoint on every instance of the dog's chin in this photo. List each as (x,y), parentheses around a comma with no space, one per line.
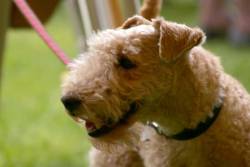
(125,120)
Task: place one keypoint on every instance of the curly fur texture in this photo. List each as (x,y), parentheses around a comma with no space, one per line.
(175,82)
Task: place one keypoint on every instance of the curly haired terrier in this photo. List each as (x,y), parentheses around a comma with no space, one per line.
(157,73)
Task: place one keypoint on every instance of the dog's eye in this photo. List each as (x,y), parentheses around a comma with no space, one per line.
(125,63)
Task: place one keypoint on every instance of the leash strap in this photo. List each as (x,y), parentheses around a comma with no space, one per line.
(39,28)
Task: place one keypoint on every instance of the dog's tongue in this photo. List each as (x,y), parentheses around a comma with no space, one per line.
(90,126)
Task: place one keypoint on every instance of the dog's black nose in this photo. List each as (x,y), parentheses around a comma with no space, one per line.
(71,103)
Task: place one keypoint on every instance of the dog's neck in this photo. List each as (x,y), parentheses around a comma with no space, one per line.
(195,90)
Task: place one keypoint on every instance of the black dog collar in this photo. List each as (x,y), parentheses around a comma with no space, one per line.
(187,134)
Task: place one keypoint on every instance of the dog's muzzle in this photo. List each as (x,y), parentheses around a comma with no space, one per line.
(72,104)
(134,106)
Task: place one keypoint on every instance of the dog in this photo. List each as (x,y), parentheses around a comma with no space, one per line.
(151,86)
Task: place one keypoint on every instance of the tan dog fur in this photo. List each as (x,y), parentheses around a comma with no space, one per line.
(175,83)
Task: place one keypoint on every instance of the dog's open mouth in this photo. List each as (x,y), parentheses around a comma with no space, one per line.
(93,131)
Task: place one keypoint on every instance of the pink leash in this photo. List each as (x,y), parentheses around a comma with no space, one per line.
(38,27)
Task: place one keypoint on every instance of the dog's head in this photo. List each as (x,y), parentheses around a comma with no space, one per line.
(125,71)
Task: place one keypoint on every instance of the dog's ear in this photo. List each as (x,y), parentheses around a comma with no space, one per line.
(134,21)
(176,39)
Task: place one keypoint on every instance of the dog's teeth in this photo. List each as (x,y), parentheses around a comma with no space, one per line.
(81,120)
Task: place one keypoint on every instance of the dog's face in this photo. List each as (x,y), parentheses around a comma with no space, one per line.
(124,71)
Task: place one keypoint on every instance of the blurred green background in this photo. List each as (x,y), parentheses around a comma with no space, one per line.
(34,129)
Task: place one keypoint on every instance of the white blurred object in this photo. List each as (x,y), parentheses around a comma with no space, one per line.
(89,16)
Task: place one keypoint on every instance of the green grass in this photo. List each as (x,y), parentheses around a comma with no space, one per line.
(34,130)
